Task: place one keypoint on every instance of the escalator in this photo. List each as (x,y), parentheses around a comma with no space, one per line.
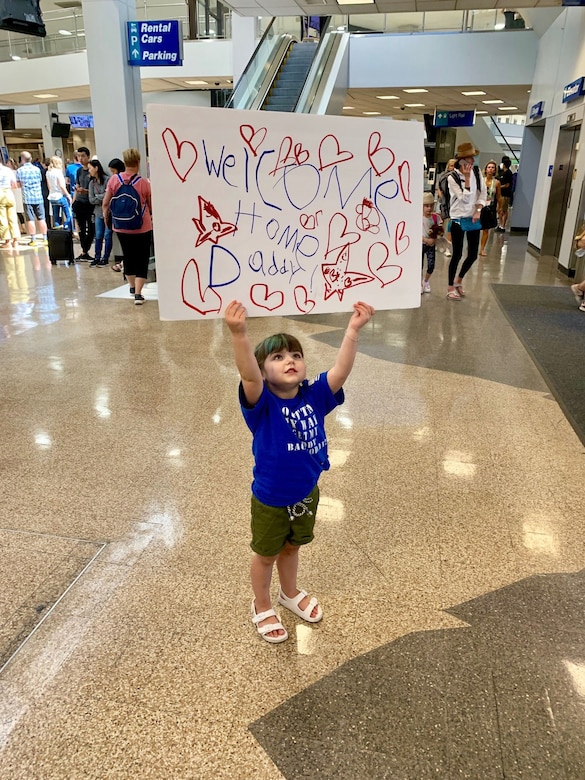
(285,74)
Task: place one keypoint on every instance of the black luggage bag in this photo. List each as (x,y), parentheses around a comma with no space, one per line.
(60,246)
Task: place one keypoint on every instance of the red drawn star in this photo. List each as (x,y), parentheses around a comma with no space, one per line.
(210,225)
(338,279)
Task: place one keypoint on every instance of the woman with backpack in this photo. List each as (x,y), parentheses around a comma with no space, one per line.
(468,196)
(128,201)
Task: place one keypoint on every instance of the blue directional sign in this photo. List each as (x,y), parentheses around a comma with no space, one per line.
(537,110)
(152,44)
(454,118)
(574,90)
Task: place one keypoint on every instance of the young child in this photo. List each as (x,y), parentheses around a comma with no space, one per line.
(432,228)
(286,414)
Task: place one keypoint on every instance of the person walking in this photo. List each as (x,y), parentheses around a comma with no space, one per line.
(492,186)
(467,198)
(29,179)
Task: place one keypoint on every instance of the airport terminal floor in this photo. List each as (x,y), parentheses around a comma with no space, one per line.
(448,558)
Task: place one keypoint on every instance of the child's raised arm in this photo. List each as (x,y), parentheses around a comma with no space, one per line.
(339,372)
(252,382)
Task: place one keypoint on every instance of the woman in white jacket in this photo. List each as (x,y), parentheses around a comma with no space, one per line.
(468,196)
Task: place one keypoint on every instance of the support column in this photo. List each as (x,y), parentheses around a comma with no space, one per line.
(49,114)
(116,94)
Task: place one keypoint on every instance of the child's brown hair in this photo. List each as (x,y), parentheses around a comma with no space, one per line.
(276,343)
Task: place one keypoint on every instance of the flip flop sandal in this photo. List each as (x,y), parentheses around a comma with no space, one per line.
(293,606)
(459,289)
(266,629)
(453,295)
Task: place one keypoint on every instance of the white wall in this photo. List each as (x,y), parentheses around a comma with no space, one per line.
(202,59)
(443,59)
(561,60)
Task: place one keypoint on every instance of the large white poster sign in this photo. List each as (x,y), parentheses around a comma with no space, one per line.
(287,213)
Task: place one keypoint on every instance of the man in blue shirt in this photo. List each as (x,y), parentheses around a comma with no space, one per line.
(71,174)
(30,180)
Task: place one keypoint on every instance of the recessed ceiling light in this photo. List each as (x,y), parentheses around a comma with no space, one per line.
(372,113)
(481,112)
(414,105)
(387,97)
(46,96)
(65,32)
(198,83)
(475,92)
(491,102)
(507,108)
(355,2)
(414,91)
(348,108)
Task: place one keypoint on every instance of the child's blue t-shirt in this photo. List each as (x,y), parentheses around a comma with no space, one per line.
(289,445)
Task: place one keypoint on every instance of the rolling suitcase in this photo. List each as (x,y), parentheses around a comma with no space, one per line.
(60,246)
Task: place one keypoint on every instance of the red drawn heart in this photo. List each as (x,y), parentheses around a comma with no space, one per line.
(383,156)
(253,138)
(330,153)
(302,300)
(204,302)
(404,178)
(386,273)
(308,221)
(260,297)
(176,152)
(401,241)
(338,236)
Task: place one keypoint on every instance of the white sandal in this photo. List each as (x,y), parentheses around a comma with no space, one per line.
(293,606)
(266,629)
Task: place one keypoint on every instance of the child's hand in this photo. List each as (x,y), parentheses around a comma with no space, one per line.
(363,313)
(235,317)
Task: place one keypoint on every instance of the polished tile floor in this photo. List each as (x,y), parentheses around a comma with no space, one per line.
(448,558)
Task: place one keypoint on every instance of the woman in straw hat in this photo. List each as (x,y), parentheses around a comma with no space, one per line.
(468,196)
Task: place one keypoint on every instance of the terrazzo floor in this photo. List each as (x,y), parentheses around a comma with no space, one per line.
(448,558)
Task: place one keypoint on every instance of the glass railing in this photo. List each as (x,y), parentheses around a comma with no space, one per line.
(419,22)
(66,32)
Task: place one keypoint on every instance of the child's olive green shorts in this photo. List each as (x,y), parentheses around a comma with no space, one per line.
(274,526)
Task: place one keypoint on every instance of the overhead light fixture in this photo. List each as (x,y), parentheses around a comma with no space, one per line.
(414,91)
(355,2)
(481,112)
(414,105)
(65,32)
(475,92)
(348,108)
(46,96)
(372,113)
(507,108)
(387,97)
(197,83)
(491,102)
